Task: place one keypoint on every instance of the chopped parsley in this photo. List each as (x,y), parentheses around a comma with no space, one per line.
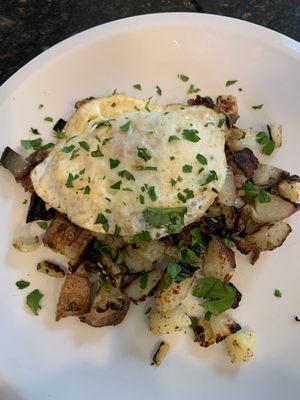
(193,89)
(228,242)
(143,236)
(229,83)
(33,301)
(144,153)
(68,149)
(32,144)
(202,160)
(207,316)
(117,230)
(173,271)
(171,217)
(137,86)
(97,153)
(113,104)
(218,296)
(84,145)
(257,107)
(172,158)
(145,168)
(212,176)
(183,77)
(198,240)
(104,122)
(125,127)
(151,193)
(41,106)
(42,224)
(34,131)
(22,284)
(102,220)
(143,280)
(187,168)
(142,199)
(127,189)
(113,163)
(158,90)
(59,134)
(252,190)
(189,194)
(221,122)
(48,119)
(106,140)
(105,283)
(71,179)
(127,175)
(147,105)
(277,293)
(48,146)
(268,144)
(24,201)
(191,135)
(172,138)
(74,154)
(116,185)
(173,182)
(87,190)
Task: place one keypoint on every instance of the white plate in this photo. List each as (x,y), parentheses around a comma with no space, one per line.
(42,359)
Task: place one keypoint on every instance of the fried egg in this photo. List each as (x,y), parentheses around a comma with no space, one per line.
(131,167)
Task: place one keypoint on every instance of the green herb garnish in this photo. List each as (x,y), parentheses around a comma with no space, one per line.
(277,293)
(33,301)
(229,83)
(202,160)
(59,134)
(143,280)
(48,119)
(212,176)
(71,179)
(104,122)
(22,284)
(113,163)
(140,237)
(127,175)
(97,153)
(252,190)
(68,149)
(102,220)
(145,168)
(116,185)
(151,193)
(32,144)
(258,107)
(158,90)
(144,153)
(172,138)
(106,141)
(137,86)
(48,146)
(125,127)
(117,230)
(159,217)
(183,77)
(35,131)
(87,190)
(191,135)
(193,89)
(228,242)
(142,199)
(187,168)
(84,145)
(42,224)
(221,122)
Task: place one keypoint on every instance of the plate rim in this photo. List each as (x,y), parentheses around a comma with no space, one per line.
(80,39)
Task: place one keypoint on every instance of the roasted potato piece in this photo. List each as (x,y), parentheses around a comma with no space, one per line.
(275,131)
(246,220)
(114,270)
(289,188)
(227,105)
(219,260)
(276,210)
(74,298)
(68,239)
(109,308)
(242,244)
(246,161)
(50,269)
(137,291)
(170,298)
(201,101)
(160,353)
(248,141)
(81,102)
(139,258)
(215,330)
(269,237)
(266,174)
(240,346)
(217,210)
(228,193)
(162,323)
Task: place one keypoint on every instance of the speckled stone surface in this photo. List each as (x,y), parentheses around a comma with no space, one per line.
(28,27)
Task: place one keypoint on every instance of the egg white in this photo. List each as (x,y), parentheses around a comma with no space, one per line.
(150,127)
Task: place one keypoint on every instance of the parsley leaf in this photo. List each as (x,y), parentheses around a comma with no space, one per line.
(228,242)
(183,77)
(22,284)
(151,193)
(116,185)
(33,301)
(191,135)
(97,153)
(262,137)
(117,230)
(59,134)
(48,146)
(268,148)
(106,140)
(127,175)
(35,131)
(125,127)
(104,122)
(48,119)
(202,160)
(84,145)
(252,190)
(193,89)
(277,293)
(221,122)
(172,138)
(142,199)
(198,240)
(102,220)
(137,86)
(87,190)
(71,178)
(229,83)
(143,280)
(144,153)
(189,194)
(167,216)
(42,224)
(146,168)
(173,182)
(140,237)
(34,144)
(68,149)
(187,168)
(113,163)
(218,296)
(212,176)
(257,107)
(158,90)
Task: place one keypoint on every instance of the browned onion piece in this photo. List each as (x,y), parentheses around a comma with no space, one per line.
(14,162)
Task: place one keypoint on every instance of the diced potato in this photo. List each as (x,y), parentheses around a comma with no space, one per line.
(228,106)
(248,141)
(276,210)
(141,257)
(269,237)
(160,353)
(228,193)
(162,323)
(265,174)
(275,131)
(289,189)
(216,210)
(240,346)
(74,298)
(219,260)
(170,298)
(134,290)
(113,270)
(246,161)
(204,334)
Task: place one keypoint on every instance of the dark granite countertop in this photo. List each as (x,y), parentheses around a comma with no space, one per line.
(28,27)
